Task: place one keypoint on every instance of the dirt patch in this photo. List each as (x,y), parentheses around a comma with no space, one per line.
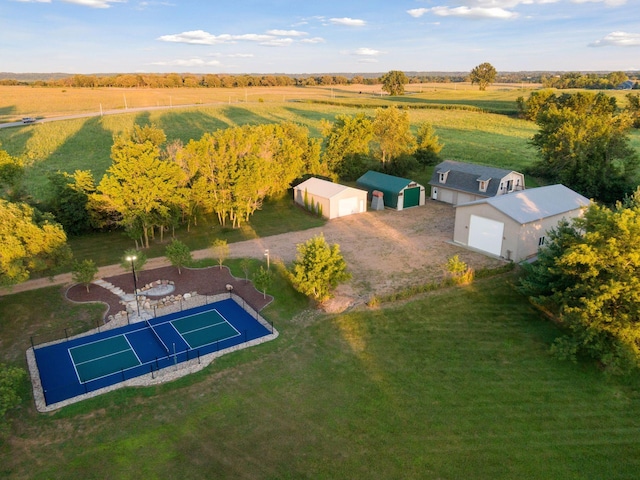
(385,251)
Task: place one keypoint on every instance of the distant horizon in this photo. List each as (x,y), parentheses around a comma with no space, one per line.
(292,37)
(43,75)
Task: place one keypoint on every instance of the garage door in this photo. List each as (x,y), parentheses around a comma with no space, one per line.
(347,206)
(486,234)
(411,197)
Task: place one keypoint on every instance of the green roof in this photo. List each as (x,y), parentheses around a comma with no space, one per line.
(382,181)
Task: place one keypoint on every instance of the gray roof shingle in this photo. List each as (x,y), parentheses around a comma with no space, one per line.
(465,176)
(536,203)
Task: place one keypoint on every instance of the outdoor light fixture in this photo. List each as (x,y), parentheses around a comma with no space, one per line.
(266,254)
(132,258)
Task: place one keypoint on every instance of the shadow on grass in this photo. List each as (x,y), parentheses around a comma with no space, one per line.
(87,149)
(244,116)
(190,124)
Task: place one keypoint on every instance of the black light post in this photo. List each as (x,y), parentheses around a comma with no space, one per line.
(135,282)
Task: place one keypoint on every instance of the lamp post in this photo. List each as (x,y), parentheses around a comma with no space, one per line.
(266,254)
(132,259)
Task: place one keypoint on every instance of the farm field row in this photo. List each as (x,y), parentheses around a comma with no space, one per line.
(22,101)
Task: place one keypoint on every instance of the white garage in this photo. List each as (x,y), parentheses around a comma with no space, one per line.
(514,226)
(328,199)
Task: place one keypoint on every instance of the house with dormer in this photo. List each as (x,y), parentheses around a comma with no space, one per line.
(458,182)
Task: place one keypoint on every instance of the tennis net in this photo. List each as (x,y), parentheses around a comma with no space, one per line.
(153,330)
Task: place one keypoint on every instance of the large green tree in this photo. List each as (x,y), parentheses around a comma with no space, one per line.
(428,146)
(30,242)
(588,275)
(633,108)
(235,169)
(11,174)
(393,82)
(140,186)
(392,130)
(484,75)
(318,269)
(11,379)
(583,143)
(347,140)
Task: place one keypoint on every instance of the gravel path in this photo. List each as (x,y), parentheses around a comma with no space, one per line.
(384,251)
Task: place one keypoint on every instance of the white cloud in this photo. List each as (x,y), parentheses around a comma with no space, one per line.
(94,3)
(197,37)
(271,39)
(349,22)
(191,62)
(610,3)
(618,39)
(200,37)
(468,12)
(277,42)
(287,33)
(367,52)
(313,40)
(241,55)
(84,3)
(418,12)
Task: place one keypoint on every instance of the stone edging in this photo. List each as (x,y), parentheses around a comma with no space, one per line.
(164,375)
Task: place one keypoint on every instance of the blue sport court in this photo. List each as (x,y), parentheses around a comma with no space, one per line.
(82,365)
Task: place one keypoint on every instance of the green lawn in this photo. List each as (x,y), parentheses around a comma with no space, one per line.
(458,384)
(277,216)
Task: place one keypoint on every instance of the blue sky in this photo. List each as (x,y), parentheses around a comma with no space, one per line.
(282,36)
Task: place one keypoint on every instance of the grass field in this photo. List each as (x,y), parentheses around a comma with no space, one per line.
(457,384)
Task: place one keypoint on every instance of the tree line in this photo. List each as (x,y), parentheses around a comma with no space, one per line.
(596,81)
(583,142)
(210,80)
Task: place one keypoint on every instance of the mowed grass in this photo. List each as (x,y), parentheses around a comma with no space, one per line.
(457,384)
(277,216)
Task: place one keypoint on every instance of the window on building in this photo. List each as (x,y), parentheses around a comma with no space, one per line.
(541,241)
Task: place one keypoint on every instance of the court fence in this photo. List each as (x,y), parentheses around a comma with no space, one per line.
(162,369)
(126,318)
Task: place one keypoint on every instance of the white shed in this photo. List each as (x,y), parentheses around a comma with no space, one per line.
(515,226)
(331,200)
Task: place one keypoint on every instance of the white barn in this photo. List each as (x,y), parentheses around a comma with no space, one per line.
(329,199)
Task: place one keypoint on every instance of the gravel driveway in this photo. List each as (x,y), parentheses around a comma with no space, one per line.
(384,250)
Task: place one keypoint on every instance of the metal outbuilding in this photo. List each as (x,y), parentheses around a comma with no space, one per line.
(515,226)
(398,193)
(328,199)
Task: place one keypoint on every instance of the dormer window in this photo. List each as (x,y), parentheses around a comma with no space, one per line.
(442,176)
(483,183)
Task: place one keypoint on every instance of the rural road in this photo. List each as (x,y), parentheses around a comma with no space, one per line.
(104,113)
